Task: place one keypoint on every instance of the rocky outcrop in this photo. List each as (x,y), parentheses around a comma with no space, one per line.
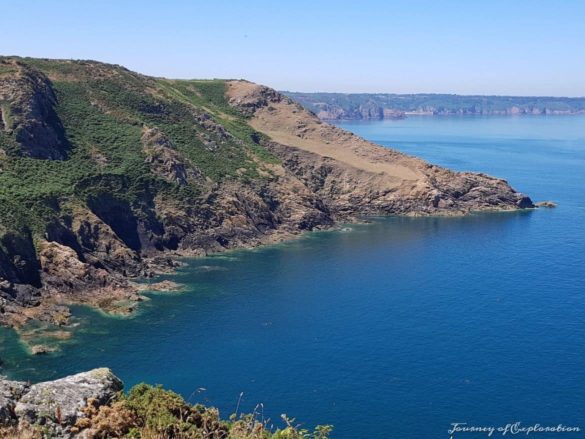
(56,405)
(165,161)
(27,103)
(546,204)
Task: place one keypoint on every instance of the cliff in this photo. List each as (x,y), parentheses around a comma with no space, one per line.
(106,175)
(364,106)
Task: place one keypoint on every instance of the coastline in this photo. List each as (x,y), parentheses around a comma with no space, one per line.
(126,301)
(291,173)
(455,115)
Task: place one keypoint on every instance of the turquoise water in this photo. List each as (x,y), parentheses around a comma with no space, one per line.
(394,329)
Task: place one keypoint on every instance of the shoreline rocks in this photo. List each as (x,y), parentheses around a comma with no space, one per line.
(546,204)
(165,286)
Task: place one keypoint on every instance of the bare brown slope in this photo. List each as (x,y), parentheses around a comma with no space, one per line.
(355,176)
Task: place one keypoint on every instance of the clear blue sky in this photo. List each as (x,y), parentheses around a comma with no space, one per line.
(520,47)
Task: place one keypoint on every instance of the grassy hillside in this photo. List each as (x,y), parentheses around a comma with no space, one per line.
(103,110)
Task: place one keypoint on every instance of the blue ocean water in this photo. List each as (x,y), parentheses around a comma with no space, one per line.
(393,329)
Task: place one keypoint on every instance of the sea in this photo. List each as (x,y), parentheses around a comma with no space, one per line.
(394,328)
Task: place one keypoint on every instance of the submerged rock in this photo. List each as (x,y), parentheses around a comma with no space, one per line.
(42,349)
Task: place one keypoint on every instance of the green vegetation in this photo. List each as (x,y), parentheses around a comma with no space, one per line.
(156,412)
(5,69)
(103,110)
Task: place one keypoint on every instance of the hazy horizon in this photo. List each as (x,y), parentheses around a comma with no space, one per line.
(426,93)
(523,48)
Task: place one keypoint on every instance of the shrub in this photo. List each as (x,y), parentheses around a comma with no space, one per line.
(151,412)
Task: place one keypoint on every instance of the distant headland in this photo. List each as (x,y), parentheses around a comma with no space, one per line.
(367,106)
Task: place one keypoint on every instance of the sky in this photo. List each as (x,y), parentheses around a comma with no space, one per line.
(503,47)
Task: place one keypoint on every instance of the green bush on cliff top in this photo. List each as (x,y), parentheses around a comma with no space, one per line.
(149,412)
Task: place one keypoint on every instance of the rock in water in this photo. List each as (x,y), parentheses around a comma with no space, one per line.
(546,204)
(42,349)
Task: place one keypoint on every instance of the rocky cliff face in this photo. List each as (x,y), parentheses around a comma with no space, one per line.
(27,103)
(107,175)
(369,110)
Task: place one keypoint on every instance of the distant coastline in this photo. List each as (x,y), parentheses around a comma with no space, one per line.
(377,106)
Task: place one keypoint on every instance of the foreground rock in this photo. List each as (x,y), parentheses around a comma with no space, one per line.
(56,405)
